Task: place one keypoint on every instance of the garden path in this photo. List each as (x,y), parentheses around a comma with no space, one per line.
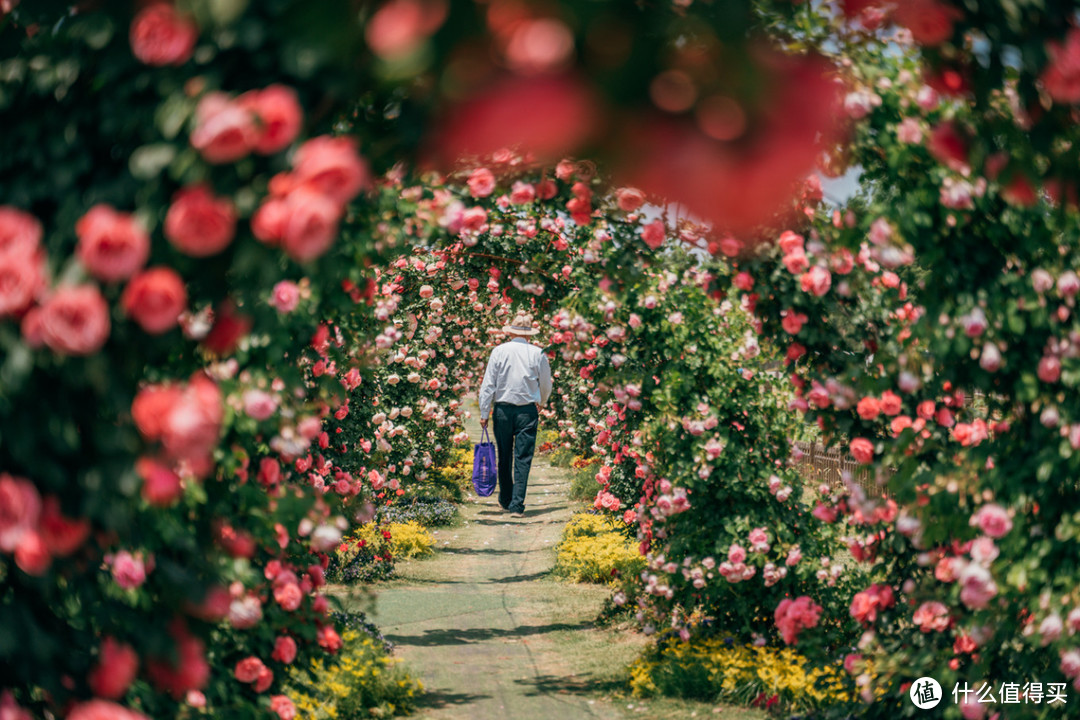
(482,626)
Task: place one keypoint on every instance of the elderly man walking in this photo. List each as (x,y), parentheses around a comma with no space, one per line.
(517,381)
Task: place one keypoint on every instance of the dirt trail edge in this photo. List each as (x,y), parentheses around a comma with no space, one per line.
(479,623)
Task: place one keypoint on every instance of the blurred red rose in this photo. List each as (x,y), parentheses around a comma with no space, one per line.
(199,223)
(162,36)
(115,669)
(225,131)
(112,246)
(155,299)
(279,116)
(75,320)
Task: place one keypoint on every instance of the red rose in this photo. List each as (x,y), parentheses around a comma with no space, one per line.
(161,36)
(228,329)
(20,281)
(332,167)
(190,429)
(75,321)
(114,671)
(189,670)
(199,223)
(224,130)
(155,299)
(311,224)
(151,405)
(60,534)
(930,22)
(328,639)
(868,408)
(1061,76)
(862,450)
(161,485)
(112,246)
(20,232)
(279,115)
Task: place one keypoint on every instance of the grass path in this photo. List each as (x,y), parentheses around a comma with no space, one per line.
(492,635)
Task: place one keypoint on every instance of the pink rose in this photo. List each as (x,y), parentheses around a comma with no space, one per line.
(794,616)
(283,706)
(155,299)
(20,280)
(891,404)
(481,183)
(199,223)
(992,519)
(286,296)
(654,233)
(862,450)
(278,114)
(398,27)
(977,586)
(868,408)
(75,321)
(790,242)
(793,321)
(743,281)
(288,596)
(248,669)
(112,246)
(310,225)
(129,571)
(909,131)
(259,404)
(629,199)
(1049,369)
(115,669)
(736,554)
(162,36)
(284,650)
(20,509)
(328,639)
(331,166)
(224,131)
(931,616)
(816,281)
(796,262)
(20,232)
(522,193)
(190,429)
(731,247)
(161,485)
(245,612)
(102,710)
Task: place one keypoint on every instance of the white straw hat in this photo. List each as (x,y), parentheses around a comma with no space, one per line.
(521,325)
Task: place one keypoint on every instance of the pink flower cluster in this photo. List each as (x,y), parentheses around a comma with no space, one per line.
(305,206)
(185,418)
(34,529)
(264,121)
(866,604)
(794,616)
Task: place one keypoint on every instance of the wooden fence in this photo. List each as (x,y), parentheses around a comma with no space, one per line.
(820,464)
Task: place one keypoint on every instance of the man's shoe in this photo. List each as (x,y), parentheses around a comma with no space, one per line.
(517,514)
(504,508)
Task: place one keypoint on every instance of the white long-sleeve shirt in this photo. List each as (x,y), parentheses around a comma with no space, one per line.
(517,372)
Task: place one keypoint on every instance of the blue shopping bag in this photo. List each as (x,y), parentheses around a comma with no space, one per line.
(484,472)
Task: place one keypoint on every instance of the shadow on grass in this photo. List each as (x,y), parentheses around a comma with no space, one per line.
(480,551)
(437,699)
(570,685)
(521,578)
(454,636)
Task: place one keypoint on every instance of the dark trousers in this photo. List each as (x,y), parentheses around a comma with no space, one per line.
(515,439)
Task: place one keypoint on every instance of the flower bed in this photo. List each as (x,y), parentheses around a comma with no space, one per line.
(594,548)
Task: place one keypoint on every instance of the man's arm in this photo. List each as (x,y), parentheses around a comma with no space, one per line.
(487,390)
(545,379)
